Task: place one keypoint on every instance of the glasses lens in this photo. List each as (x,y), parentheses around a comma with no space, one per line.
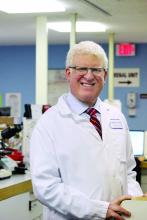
(97,70)
(84,70)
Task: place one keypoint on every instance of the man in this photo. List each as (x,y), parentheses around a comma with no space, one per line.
(80,170)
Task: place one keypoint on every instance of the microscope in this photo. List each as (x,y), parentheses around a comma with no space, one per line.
(11,159)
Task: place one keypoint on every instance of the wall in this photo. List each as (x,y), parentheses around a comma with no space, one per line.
(17,71)
(17,74)
(138,61)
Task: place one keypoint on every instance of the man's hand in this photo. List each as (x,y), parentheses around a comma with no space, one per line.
(115,210)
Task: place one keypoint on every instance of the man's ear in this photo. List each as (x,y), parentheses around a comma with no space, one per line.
(67,73)
(105,74)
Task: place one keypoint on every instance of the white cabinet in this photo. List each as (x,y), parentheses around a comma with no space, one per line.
(15,208)
(16,200)
(35,208)
(23,206)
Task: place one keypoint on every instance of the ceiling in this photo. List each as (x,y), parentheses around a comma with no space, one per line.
(126,18)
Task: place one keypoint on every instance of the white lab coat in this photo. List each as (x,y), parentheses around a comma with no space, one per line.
(74,173)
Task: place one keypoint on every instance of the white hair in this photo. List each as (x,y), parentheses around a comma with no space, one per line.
(86,47)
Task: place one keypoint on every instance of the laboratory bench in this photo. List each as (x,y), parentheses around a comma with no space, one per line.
(141,170)
(144,164)
(17,200)
(15,185)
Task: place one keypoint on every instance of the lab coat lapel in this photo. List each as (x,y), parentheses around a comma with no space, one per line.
(65,111)
(105,117)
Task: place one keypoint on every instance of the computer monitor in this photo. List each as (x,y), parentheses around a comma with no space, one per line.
(137,139)
(5,111)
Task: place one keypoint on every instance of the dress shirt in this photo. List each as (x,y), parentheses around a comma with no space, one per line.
(79,107)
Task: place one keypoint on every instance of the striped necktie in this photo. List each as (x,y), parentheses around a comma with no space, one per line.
(93,119)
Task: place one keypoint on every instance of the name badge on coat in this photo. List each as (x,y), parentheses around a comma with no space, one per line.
(115,124)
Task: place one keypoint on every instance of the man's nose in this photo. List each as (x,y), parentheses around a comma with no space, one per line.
(89,74)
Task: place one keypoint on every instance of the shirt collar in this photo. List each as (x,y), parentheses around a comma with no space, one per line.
(79,107)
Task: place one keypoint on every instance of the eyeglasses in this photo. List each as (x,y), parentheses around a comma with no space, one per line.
(84,70)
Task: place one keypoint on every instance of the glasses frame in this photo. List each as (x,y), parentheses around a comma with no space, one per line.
(84,70)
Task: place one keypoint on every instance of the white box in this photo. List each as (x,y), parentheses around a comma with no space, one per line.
(138,208)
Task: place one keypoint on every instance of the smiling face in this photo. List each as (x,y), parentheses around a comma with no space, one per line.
(86,87)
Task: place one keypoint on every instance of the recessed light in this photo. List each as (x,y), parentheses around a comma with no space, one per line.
(31,6)
(81,26)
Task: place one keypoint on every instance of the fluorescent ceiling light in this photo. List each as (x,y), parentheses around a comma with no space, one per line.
(31,6)
(81,26)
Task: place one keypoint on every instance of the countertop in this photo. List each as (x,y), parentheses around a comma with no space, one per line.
(15,185)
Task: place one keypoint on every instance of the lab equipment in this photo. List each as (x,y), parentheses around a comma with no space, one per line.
(137,138)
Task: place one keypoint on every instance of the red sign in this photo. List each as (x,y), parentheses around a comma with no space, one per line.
(125,49)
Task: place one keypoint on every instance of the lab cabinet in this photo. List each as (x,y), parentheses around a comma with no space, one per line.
(15,208)
(23,206)
(35,208)
(17,200)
